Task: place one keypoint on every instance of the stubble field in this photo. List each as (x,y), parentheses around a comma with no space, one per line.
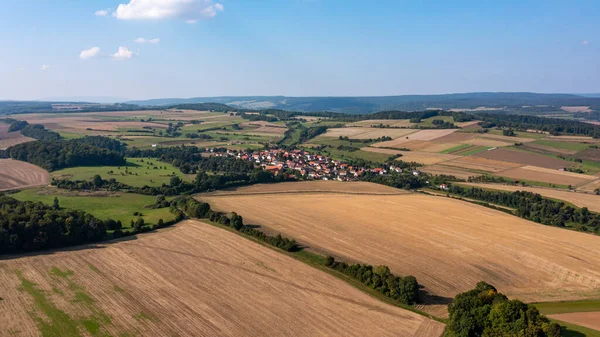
(447,244)
(8,139)
(189,280)
(16,174)
(591,201)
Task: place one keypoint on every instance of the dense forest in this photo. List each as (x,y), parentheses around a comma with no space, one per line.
(56,154)
(484,311)
(28,226)
(534,207)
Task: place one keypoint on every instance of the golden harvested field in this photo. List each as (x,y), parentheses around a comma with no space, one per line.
(17,174)
(387,122)
(480,141)
(8,139)
(481,164)
(590,187)
(190,280)
(425,158)
(507,139)
(449,170)
(367,133)
(268,130)
(591,201)
(447,244)
(551,176)
(587,319)
(438,147)
(355,187)
(423,135)
(576,108)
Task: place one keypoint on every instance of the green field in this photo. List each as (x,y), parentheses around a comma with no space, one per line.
(572,330)
(549,308)
(117,206)
(570,146)
(428,122)
(474,151)
(455,148)
(139,172)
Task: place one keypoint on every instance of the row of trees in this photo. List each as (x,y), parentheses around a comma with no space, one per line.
(485,312)
(534,207)
(554,126)
(402,289)
(196,209)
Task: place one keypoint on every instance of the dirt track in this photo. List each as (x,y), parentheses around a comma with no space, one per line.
(447,244)
(195,280)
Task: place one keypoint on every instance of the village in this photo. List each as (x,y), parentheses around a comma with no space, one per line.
(304,163)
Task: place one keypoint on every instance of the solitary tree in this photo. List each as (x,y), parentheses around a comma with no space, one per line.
(55,205)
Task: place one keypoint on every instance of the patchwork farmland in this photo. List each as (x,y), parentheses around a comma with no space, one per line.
(190,280)
(449,245)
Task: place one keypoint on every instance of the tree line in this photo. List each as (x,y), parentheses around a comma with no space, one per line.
(485,312)
(196,209)
(534,207)
(402,289)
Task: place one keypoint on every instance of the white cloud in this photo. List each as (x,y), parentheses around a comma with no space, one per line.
(143,40)
(584,42)
(102,12)
(89,53)
(44,67)
(122,54)
(188,10)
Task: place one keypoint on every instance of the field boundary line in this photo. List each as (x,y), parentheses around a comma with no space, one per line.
(300,192)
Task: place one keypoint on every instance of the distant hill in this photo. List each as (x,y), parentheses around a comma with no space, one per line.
(518,102)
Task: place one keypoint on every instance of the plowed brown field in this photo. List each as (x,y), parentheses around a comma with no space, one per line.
(587,319)
(17,174)
(8,139)
(191,280)
(449,245)
(524,158)
(534,173)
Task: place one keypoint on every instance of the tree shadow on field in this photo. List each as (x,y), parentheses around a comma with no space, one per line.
(429,299)
(87,246)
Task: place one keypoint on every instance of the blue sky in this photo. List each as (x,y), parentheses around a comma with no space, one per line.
(296,47)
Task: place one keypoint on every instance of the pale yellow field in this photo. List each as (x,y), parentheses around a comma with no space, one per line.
(552,176)
(425,158)
(16,174)
(423,135)
(321,186)
(458,172)
(507,139)
(195,280)
(367,133)
(480,141)
(435,147)
(386,122)
(447,244)
(591,201)
(481,164)
(590,187)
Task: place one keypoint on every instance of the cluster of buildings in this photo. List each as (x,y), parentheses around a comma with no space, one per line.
(306,164)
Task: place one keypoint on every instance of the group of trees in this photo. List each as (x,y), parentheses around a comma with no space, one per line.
(29,226)
(402,289)
(485,312)
(534,207)
(56,154)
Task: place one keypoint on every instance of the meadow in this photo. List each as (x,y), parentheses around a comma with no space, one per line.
(139,172)
(103,205)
